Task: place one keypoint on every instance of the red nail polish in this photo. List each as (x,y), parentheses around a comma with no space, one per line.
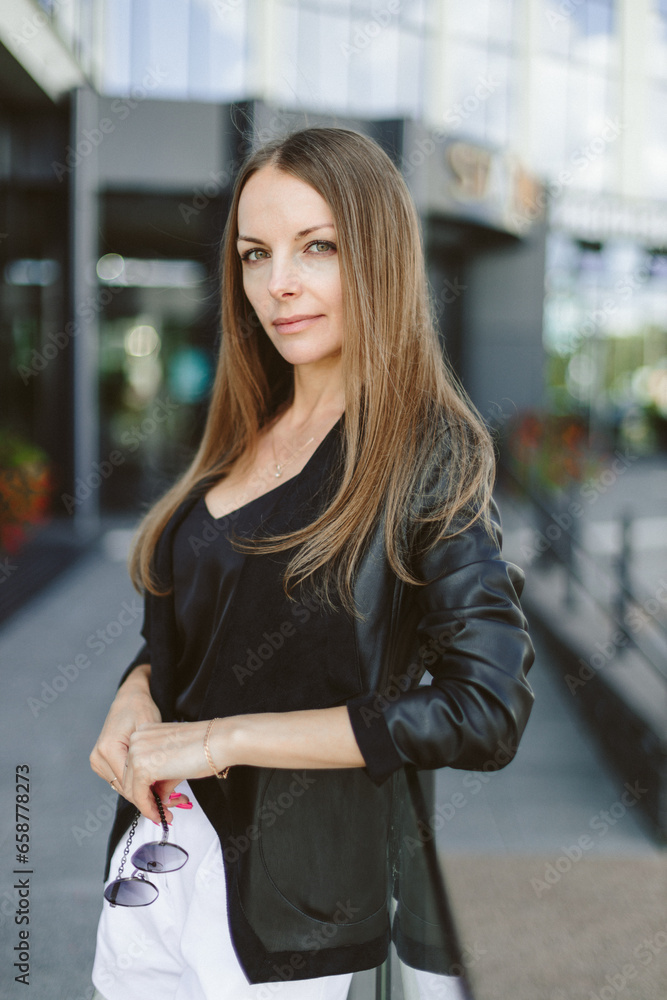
(184,805)
(175,795)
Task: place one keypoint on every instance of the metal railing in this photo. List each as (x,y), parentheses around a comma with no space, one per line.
(580,565)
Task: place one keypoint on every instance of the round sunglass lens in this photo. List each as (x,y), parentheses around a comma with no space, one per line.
(158,857)
(130,892)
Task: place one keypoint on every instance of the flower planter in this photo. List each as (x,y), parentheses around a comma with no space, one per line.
(25,492)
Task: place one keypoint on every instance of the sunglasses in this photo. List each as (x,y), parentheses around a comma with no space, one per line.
(156,857)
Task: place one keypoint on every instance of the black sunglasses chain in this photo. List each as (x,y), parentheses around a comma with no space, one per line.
(157,857)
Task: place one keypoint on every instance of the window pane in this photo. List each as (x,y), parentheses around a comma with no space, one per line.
(554,28)
(410,68)
(199,67)
(496,105)
(159,46)
(227,80)
(594,135)
(595,17)
(140,40)
(549,116)
(657,34)
(334,69)
(586,100)
(593,47)
(324,56)
(285,83)
(469,18)
(501,21)
(374,83)
(308,57)
(169,46)
(471,87)
(656,144)
(360,71)
(414,13)
(117,47)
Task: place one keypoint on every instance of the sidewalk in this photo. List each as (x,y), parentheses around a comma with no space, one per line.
(558,884)
(62,656)
(612,657)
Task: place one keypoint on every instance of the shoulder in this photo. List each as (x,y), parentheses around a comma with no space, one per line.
(452,512)
(450,453)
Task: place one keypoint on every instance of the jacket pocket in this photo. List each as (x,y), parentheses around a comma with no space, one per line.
(323,842)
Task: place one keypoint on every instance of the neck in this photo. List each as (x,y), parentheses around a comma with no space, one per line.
(319,395)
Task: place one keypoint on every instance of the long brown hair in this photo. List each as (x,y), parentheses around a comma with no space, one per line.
(405,413)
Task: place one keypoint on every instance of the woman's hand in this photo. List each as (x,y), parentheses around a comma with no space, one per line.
(132,708)
(162,754)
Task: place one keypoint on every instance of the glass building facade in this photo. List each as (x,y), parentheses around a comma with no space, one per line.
(574,89)
(554,69)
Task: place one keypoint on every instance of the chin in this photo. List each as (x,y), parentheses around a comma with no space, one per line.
(309,357)
(304,351)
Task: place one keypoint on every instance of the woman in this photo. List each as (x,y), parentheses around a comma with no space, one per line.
(332,538)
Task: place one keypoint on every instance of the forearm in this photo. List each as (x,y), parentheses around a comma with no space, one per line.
(169,752)
(138,680)
(313,738)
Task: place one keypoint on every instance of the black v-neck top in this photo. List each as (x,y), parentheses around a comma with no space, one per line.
(206,569)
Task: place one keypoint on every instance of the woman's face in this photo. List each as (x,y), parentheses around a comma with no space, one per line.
(287,243)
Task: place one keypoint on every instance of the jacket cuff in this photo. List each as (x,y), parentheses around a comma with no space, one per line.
(143,656)
(372,735)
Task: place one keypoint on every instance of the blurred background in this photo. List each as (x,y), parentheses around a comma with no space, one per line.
(533,137)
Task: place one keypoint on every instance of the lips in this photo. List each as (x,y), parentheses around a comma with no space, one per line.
(291,324)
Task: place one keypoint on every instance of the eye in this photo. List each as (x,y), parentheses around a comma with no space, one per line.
(246,255)
(321,243)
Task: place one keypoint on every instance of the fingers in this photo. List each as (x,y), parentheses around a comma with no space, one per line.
(118,765)
(102,767)
(126,715)
(130,760)
(113,766)
(180,800)
(109,764)
(137,789)
(162,789)
(170,799)
(165,790)
(160,756)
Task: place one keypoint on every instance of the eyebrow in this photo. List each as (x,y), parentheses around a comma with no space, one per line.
(299,235)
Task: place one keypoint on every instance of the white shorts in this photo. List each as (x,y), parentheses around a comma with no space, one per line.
(179,947)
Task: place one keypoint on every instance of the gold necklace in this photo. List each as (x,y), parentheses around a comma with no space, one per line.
(281,465)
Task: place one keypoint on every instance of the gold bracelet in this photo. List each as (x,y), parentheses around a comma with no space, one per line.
(218,774)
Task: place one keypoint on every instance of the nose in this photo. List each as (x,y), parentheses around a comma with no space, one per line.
(284,280)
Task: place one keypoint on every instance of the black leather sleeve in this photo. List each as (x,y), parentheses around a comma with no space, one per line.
(474,711)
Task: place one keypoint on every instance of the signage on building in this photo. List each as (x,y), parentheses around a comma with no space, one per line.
(466,180)
(600,217)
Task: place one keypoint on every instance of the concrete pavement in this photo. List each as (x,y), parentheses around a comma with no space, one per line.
(62,656)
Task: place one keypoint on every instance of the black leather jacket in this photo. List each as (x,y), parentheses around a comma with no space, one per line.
(313,857)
